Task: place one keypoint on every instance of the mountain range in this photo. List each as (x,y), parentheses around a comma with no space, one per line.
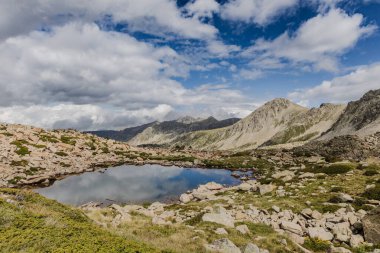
(279,122)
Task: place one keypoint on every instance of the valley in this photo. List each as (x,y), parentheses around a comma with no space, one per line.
(284,179)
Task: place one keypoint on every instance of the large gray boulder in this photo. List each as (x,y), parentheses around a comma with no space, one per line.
(222,246)
(220,216)
(371,226)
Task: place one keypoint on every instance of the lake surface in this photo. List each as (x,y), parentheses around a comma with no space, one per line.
(133,184)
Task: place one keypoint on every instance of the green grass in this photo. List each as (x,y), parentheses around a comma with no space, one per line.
(68,140)
(333,169)
(21,149)
(37,224)
(316,245)
(61,153)
(373,193)
(48,138)
(22,163)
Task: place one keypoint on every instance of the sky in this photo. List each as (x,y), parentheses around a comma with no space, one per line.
(96,64)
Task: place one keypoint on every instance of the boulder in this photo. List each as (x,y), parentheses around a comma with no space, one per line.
(306,175)
(356,240)
(320,233)
(221,231)
(244,187)
(345,197)
(251,248)
(220,216)
(266,188)
(371,226)
(342,231)
(185,198)
(212,186)
(222,246)
(243,229)
(338,250)
(291,227)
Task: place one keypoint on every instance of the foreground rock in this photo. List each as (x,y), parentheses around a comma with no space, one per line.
(371,226)
(223,246)
(220,216)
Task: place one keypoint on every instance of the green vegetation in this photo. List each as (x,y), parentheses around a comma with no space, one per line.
(333,169)
(61,153)
(48,138)
(22,163)
(37,224)
(316,245)
(68,140)
(91,145)
(373,193)
(7,134)
(21,149)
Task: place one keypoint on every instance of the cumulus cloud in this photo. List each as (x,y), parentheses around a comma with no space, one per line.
(142,15)
(341,89)
(202,8)
(319,41)
(257,11)
(82,117)
(80,67)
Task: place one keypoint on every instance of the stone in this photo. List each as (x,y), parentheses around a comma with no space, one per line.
(342,231)
(276,209)
(338,250)
(222,246)
(265,188)
(220,216)
(345,197)
(221,231)
(306,175)
(185,198)
(243,229)
(371,226)
(356,240)
(212,186)
(320,233)
(284,174)
(291,227)
(251,248)
(245,187)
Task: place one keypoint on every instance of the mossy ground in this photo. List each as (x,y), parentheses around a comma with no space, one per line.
(31,223)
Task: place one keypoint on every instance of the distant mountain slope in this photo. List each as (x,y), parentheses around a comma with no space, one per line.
(163,130)
(161,133)
(360,118)
(276,122)
(122,135)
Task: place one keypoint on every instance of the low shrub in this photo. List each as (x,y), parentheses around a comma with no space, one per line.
(334,169)
(373,193)
(370,172)
(61,153)
(316,245)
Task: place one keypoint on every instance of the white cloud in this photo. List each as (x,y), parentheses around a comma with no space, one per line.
(250,74)
(107,72)
(220,49)
(82,117)
(258,11)
(319,41)
(341,89)
(144,15)
(202,8)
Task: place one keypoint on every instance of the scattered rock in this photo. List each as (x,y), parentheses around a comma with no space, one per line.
(222,246)
(356,240)
(266,188)
(243,229)
(320,233)
(221,231)
(220,216)
(371,226)
(291,227)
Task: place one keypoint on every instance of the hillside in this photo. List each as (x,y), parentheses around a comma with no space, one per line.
(360,118)
(122,135)
(161,133)
(276,122)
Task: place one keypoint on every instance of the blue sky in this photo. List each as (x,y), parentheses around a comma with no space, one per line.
(94,64)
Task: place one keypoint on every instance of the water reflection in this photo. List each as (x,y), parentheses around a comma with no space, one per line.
(134,184)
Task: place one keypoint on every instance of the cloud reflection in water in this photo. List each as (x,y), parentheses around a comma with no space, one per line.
(135,184)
